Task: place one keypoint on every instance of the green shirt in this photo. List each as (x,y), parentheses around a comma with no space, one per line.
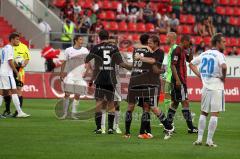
(168,73)
(176,6)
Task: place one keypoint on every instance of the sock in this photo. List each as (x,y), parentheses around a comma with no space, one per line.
(128,120)
(143,122)
(211,128)
(98,119)
(164,121)
(7,100)
(65,105)
(20,100)
(110,120)
(188,117)
(201,127)
(1,100)
(16,103)
(170,115)
(167,103)
(103,122)
(148,123)
(116,119)
(74,105)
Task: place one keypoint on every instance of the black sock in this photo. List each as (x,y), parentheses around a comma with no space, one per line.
(187,116)
(170,115)
(98,119)
(111,116)
(7,100)
(128,120)
(143,122)
(164,121)
(20,100)
(148,124)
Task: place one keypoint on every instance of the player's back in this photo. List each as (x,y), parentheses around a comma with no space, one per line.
(210,69)
(6,55)
(106,56)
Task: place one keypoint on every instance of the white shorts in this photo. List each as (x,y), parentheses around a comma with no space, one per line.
(74,86)
(7,82)
(117,94)
(212,100)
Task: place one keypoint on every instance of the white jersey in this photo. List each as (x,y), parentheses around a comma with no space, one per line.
(6,55)
(210,69)
(75,62)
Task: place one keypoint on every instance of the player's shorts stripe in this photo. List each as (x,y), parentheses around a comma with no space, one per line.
(155,96)
(183,93)
(10,82)
(222,100)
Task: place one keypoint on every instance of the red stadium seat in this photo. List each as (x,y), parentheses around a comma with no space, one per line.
(223,2)
(229,11)
(227,41)
(207,40)
(110,15)
(105,24)
(238,41)
(102,15)
(106,5)
(198,40)
(183,18)
(190,19)
(163,38)
(132,27)
(87,4)
(141,27)
(208,1)
(186,29)
(166,48)
(233,2)
(115,5)
(233,21)
(233,42)
(236,11)
(135,37)
(150,27)
(227,50)
(59,3)
(122,26)
(220,10)
(113,26)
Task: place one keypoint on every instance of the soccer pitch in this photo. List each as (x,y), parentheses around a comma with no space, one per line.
(42,136)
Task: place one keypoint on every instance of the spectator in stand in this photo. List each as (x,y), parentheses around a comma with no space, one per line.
(163,8)
(148,14)
(67,12)
(122,10)
(174,23)
(234,52)
(96,27)
(67,35)
(134,12)
(95,6)
(210,27)
(200,28)
(200,48)
(45,28)
(205,28)
(93,17)
(176,7)
(162,24)
(76,7)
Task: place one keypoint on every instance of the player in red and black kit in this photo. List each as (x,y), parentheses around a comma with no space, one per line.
(106,55)
(180,55)
(142,87)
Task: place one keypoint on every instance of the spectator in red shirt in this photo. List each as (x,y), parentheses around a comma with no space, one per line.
(67,12)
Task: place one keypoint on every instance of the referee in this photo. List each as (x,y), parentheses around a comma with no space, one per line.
(20,50)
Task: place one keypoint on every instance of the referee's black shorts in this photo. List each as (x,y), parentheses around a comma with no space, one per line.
(105,92)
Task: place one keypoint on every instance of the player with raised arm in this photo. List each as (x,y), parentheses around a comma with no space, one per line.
(181,54)
(140,86)
(73,80)
(7,68)
(212,72)
(106,55)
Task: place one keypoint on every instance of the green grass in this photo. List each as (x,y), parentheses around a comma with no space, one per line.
(43,136)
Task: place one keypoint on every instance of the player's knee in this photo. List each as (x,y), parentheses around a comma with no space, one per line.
(77,97)
(67,95)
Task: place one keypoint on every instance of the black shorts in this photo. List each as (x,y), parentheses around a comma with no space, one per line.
(151,100)
(105,92)
(18,82)
(143,94)
(179,94)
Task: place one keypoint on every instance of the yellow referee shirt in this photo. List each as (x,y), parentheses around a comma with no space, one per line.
(23,51)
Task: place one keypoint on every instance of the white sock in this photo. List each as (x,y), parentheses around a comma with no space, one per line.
(116,119)
(1,100)
(104,114)
(65,105)
(74,105)
(201,127)
(16,103)
(211,128)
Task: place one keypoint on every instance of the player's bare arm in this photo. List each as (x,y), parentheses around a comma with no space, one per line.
(126,65)
(25,63)
(175,75)
(158,70)
(224,72)
(11,63)
(195,70)
(144,59)
(62,75)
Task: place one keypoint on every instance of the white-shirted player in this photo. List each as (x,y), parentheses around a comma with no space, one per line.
(7,81)
(212,71)
(73,78)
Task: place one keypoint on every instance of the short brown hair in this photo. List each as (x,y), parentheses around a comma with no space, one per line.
(155,39)
(13,36)
(216,38)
